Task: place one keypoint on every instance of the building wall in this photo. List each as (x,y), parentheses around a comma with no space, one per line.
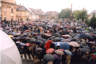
(8,11)
(0,10)
(22,15)
(10,1)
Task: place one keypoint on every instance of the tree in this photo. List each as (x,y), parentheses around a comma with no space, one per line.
(65,13)
(80,14)
(76,14)
(93,21)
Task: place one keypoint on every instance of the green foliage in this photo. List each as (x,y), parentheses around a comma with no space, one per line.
(80,14)
(76,14)
(65,13)
(93,21)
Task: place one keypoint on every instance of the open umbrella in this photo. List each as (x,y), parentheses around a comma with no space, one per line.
(38,49)
(57,43)
(74,44)
(66,36)
(48,57)
(28,44)
(94,55)
(64,46)
(11,36)
(50,50)
(84,49)
(68,52)
(56,39)
(86,36)
(9,53)
(59,52)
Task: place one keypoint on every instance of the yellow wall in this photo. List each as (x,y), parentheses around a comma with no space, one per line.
(6,11)
(6,7)
(10,1)
(22,15)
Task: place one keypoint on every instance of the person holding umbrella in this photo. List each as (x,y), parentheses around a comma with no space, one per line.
(48,44)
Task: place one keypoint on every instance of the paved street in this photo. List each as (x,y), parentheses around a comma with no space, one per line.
(27,62)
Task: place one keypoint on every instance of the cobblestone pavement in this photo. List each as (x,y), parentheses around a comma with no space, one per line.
(27,62)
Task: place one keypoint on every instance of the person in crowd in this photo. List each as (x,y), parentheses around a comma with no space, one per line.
(34,39)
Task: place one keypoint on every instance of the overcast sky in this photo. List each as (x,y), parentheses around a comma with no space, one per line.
(58,5)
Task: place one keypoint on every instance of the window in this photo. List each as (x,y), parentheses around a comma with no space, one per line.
(5,9)
(11,10)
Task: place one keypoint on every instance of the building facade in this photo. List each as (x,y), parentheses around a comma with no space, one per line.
(8,10)
(22,13)
(0,10)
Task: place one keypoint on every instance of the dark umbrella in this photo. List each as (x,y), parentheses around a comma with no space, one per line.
(38,49)
(84,49)
(57,35)
(56,39)
(17,37)
(48,57)
(84,36)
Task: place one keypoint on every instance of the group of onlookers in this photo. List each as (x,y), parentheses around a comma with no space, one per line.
(59,43)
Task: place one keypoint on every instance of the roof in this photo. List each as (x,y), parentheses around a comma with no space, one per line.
(8,3)
(21,8)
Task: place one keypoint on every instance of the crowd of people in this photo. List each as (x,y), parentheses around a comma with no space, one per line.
(58,43)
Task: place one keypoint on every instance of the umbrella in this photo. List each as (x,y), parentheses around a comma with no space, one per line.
(64,46)
(9,53)
(82,36)
(93,56)
(66,35)
(68,52)
(74,44)
(94,53)
(27,44)
(27,31)
(84,49)
(22,44)
(38,49)
(59,52)
(18,37)
(57,35)
(50,50)
(56,39)
(10,36)
(49,35)
(57,43)
(32,39)
(86,36)
(48,57)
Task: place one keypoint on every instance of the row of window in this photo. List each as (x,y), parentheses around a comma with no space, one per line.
(12,10)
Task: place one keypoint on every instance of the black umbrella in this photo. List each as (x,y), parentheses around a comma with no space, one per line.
(57,39)
(85,49)
(84,36)
(49,57)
